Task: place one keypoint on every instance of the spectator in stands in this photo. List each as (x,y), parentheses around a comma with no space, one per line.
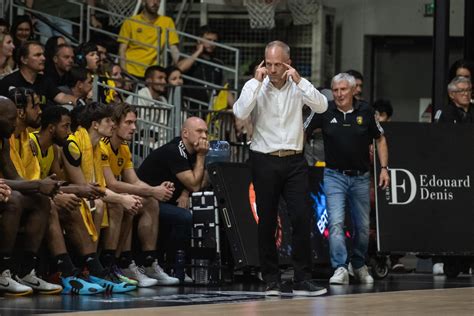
(459,109)
(461,68)
(383,110)
(79,85)
(174,76)
(359,83)
(87,56)
(347,176)
(6,53)
(59,72)
(181,162)
(4,26)
(193,68)
(50,49)
(155,79)
(140,30)
(31,61)
(22,30)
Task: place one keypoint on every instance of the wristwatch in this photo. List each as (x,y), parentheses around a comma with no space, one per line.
(385,167)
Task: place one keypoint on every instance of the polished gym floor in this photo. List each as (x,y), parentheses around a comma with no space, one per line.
(410,293)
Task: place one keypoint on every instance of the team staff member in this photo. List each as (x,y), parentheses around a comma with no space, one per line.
(349,126)
(275,99)
(180,161)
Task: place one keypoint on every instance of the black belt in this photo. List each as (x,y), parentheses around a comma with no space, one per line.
(350,173)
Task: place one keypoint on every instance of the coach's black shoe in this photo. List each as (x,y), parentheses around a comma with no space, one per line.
(307,288)
(273,289)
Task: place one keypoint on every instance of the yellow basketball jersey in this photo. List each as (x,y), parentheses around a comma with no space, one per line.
(45,159)
(118,160)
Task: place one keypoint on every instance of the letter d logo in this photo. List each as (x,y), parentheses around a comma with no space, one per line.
(395,186)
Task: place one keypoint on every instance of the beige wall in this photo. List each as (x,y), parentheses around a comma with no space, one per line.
(385,17)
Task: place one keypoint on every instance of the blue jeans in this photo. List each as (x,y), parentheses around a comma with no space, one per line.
(339,189)
(46,32)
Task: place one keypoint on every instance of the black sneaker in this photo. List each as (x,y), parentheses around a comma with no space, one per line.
(273,289)
(307,288)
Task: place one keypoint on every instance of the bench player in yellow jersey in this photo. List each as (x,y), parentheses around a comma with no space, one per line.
(28,202)
(65,215)
(120,176)
(82,164)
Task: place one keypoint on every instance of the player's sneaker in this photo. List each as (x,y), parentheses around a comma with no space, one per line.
(39,285)
(156,272)
(12,287)
(122,277)
(112,284)
(138,273)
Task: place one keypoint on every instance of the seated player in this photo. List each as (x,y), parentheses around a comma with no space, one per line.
(27,203)
(120,177)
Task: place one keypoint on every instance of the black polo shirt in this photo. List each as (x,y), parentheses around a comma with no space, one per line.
(347,136)
(43,87)
(453,114)
(164,163)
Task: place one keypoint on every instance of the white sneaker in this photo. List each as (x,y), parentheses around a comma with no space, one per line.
(340,276)
(362,275)
(12,287)
(37,284)
(156,272)
(438,268)
(138,273)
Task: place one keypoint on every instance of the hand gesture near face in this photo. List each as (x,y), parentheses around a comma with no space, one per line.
(261,72)
(291,72)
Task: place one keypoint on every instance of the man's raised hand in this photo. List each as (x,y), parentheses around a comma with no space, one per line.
(261,72)
(291,72)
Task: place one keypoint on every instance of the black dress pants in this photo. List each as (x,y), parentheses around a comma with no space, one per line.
(274,176)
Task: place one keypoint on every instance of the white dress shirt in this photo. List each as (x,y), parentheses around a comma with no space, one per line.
(277,113)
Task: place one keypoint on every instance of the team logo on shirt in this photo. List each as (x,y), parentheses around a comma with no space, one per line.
(120,162)
(359,120)
(104,157)
(139,30)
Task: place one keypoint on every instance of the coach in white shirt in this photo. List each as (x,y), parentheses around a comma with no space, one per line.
(274,99)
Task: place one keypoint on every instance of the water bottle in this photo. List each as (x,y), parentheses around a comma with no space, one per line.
(201,274)
(219,151)
(179,265)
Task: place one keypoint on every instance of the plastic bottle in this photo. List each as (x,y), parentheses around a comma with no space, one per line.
(179,265)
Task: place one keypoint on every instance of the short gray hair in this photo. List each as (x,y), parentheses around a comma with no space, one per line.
(282,45)
(344,76)
(452,86)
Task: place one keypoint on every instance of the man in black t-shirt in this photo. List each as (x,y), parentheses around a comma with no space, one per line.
(349,126)
(196,69)
(180,161)
(31,60)
(63,60)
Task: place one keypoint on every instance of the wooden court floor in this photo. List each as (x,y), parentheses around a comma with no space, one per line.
(457,301)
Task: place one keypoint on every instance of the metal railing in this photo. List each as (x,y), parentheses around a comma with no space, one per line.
(234,70)
(159,121)
(46,19)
